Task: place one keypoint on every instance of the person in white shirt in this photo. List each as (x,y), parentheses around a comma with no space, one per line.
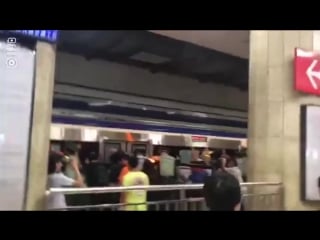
(233,168)
(141,157)
(56,179)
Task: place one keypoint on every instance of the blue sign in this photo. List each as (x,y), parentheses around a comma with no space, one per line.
(44,35)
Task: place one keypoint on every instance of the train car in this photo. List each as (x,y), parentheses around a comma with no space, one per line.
(107,140)
(107,126)
(86,116)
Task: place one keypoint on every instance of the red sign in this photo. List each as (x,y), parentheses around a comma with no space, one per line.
(307,71)
(198,139)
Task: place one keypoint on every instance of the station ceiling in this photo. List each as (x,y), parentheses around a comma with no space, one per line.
(234,42)
(162,52)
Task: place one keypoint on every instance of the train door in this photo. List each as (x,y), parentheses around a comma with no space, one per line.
(141,146)
(108,146)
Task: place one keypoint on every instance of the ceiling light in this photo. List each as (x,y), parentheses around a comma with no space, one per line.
(149,57)
(99,104)
(83,115)
(203,115)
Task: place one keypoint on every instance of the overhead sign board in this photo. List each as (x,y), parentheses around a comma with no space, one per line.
(199,139)
(307,71)
(42,35)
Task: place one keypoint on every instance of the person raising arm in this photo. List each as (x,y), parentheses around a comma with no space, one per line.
(56,179)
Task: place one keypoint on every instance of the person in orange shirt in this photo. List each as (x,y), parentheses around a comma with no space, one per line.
(125,169)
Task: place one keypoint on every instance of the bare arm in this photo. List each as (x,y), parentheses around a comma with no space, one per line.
(78,181)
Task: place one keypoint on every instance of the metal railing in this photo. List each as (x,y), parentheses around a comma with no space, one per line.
(181,197)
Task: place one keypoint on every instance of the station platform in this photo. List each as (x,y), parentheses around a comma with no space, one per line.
(177,197)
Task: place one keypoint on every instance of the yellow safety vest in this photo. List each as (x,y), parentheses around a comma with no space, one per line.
(137,198)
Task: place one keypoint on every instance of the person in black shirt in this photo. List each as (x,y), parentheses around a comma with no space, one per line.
(96,172)
(117,164)
(222,192)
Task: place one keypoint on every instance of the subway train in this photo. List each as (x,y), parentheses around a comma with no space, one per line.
(107,140)
(104,128)
(104,133)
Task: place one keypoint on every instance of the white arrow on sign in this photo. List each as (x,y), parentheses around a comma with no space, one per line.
(313,74)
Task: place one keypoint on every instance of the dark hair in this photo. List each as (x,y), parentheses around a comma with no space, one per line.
(116,156)
(217,154)
(232,160)
(70,151)
(71,148)
(125,156)
(54,158)
(93,156)
(133,161)
(218,164)
(222,192)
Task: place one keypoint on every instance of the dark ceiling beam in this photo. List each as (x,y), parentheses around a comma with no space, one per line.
(164,68)
(119,46)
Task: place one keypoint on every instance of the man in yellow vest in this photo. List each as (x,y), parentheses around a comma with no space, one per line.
(135,200)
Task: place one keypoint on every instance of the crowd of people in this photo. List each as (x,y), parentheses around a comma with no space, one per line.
(220,174)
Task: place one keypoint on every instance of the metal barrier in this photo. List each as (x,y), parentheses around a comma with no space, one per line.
(257,196)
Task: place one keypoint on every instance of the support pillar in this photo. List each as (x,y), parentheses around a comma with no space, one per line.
(40,135)
(274,111)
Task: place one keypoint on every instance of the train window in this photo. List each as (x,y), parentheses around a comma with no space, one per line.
(185,156)
(110,148)
(142,148)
